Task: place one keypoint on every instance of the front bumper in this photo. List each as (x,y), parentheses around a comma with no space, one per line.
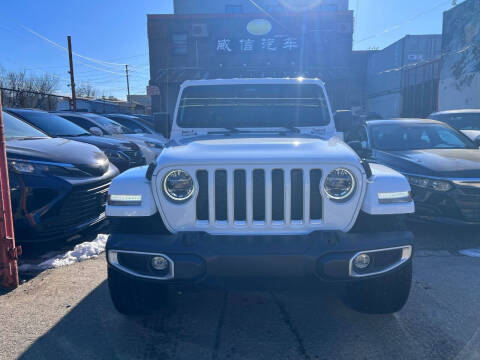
(47,208)
(459,206)
(203,259)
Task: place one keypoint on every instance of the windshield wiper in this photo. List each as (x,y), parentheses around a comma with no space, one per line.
(26,137)
(292,129)
(226,131)
(77,135)
(229,130)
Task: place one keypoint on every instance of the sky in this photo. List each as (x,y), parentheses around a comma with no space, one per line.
(111,33)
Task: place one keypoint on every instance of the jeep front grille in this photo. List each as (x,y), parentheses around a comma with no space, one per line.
(256,197)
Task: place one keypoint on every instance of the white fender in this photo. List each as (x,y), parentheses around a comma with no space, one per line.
(386,180)
(132,182)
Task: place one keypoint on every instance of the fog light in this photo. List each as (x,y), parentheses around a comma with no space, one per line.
(159,263)
(361,261)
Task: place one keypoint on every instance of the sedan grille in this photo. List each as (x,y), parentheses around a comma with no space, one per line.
(135,157)
(84,204)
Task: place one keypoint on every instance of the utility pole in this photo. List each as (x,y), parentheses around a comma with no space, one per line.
(128,83)
(9,253)
(72,77)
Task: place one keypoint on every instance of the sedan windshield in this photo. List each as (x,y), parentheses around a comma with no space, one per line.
(109,125)
(17,129)
(53,125)
(131,124)
(461,121)
(247,106)
(400,137)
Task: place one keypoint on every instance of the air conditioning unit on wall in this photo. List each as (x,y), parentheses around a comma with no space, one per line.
(199,30)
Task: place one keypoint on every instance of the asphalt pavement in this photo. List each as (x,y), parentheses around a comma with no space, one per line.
(66,313)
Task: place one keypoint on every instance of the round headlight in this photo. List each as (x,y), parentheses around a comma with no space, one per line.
(339,184)
(178,185)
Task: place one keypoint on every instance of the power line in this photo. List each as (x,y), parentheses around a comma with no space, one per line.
(395,27)
(267,13)
(101,62)
(100,69)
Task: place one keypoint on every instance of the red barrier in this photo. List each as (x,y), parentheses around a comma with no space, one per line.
(9,253)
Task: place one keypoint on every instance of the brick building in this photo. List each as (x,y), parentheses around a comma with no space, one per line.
(235,39)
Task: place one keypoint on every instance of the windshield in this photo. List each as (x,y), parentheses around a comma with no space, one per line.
(248,106)
(461,121)
(400,137)
(52,124)
(131,124)
(111,126)
(16,128)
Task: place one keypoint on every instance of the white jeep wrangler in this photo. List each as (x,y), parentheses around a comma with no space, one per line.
(255,190)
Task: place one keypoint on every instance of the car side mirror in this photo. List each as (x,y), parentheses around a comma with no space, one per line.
(162,124)
(357,146)
(96,131)
(138,131)
(360,147)
(477,141)
(343,120)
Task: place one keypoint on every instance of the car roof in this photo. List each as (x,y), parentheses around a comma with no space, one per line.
(459,111)
(403,121)
(127,116)
(24,110)
(76,113)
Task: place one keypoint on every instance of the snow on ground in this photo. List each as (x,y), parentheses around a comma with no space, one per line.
(470,252)
(84,251)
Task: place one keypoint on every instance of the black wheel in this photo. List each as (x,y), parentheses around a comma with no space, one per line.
(134,297)
(384,295)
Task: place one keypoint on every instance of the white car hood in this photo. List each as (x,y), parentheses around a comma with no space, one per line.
(149,137)
(257,150)
(472,134)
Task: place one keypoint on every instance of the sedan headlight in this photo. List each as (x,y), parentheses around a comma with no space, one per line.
(178,185)
(437,185)
(339,184)
(45,168)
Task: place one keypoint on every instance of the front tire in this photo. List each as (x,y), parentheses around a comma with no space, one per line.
(134,297)
(384,295)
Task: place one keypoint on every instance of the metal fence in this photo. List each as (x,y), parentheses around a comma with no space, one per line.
(420,89)
(30,99)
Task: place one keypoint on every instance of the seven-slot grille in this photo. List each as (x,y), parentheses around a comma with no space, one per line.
(259,196)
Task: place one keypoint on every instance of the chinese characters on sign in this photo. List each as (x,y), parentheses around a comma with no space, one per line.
(224,45)
(268,44)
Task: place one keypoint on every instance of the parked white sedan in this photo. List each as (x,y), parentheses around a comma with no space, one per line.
(466,120)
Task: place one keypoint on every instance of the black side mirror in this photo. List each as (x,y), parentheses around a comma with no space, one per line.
(343,120)
(477,141)
(360,147)
(162,124)
(357,146)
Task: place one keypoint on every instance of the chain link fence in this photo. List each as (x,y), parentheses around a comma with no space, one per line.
(31,99)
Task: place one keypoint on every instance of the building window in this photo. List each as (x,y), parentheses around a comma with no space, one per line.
(234,9)
(180,44)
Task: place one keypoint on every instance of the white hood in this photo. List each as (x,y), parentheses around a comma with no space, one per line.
(258,150)
(472,134)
